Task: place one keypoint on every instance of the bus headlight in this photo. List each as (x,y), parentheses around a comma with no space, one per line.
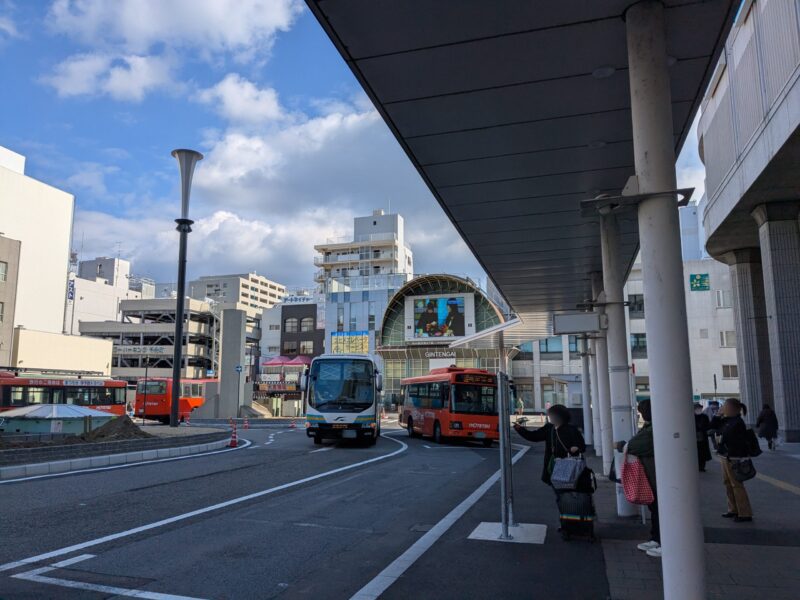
(456,425)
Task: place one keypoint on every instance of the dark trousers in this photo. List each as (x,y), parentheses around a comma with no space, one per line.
(655,528)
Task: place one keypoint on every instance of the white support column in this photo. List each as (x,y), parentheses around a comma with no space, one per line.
(683,560)
(618,373)
(598,446)
(606,434)
(585,394)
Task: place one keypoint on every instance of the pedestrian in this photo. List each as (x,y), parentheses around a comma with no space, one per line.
(732,447)
(520,406)
(701,428)
(711,411)
(767,425)
(561,439)
(641,446)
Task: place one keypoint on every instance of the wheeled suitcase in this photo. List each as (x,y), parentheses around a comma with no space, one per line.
(577,515)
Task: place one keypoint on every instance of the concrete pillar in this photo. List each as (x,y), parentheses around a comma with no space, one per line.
(606,437)
(780,259)
(683,559)
(585,393)
(598,446)
(616,341)
(231,383)
(752,333)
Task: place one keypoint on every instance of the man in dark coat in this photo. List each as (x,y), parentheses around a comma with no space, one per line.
(701,427)
(767,425)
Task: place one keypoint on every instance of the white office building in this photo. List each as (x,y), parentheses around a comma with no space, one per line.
(249,289)
(359,275)
(40,217)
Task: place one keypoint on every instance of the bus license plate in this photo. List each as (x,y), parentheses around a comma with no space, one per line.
(349,433)
(479,434)
(339,426)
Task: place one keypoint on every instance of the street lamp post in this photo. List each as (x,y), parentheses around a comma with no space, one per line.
(187,159)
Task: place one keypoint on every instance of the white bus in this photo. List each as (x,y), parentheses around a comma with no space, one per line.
(342,398)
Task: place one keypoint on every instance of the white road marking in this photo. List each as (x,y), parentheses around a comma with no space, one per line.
(199,511)
(322,449)
(72,561)
(400,565)
(242,445)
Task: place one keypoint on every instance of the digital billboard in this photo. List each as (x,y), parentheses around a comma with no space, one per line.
(350,342)
(439,317)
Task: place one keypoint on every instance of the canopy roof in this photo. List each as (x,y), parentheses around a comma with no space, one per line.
(514,112)
(53,411)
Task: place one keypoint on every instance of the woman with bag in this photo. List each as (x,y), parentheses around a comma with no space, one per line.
(641,446)
(735,452)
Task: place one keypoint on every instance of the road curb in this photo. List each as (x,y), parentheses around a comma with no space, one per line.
(91,462)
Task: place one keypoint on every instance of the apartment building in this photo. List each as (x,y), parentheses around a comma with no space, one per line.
(9,269)
(248,289)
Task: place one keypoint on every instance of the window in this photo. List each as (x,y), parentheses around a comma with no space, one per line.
(290,325)
(273,349)
(551,346)
(704,334)
(638,345)
(307,347)
(2,310)
(224,285)
(573,344)
(340,318)
(371,319)
(3,270)
(307,324)
(274,327)
(727,339)
(730,372)
(289,348)
(723,298)
(636,306)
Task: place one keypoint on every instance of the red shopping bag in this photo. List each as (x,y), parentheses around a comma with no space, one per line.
(634,481)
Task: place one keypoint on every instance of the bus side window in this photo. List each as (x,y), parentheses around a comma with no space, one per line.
(425,394)
(446,396)
(435,395)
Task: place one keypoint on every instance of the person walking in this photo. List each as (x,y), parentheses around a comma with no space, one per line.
(767,425)
(520,405)
(732,446)
(701,426)
(641,446)
(561,439)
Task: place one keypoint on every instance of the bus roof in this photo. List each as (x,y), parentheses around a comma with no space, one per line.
(444,374)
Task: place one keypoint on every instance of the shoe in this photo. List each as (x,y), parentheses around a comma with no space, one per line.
(655,552)
(738,519)
(729,515)
(644,547)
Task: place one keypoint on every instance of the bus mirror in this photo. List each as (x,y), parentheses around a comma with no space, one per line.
(379,382)
(304,381)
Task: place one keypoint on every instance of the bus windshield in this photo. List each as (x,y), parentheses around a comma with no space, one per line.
(341,385)
(152,387)
(474,400)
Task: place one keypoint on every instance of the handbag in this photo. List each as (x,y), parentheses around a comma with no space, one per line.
(634,481)
(742,469)
(566,471)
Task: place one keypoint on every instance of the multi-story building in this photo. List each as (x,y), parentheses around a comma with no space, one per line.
(359,276)
(248,289)
(40,217)
(545,372)
(94,293)
(9,269)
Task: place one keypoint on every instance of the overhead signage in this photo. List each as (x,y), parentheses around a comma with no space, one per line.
(699,282)
(577,322)
(122,349)
(298,300)
(440,354)
(71,290)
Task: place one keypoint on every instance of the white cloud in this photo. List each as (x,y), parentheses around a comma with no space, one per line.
(7,28)
(127,78)
(236,26)
(90,178)
(689,168)
(239,100)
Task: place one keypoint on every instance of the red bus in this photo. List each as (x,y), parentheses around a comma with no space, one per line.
(158,392)
(23,388)
(451,403)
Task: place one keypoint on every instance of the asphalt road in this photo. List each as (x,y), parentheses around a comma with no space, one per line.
(295,521)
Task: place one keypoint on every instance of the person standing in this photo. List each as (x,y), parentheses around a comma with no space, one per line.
(767,425)
(520,405)
(701,425)
(641,446)
(732,435)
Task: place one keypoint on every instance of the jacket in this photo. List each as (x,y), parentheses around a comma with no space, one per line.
(641,446)
(733,436)
(767,424)
(557,443)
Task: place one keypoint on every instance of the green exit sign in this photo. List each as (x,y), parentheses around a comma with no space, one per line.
(699,282)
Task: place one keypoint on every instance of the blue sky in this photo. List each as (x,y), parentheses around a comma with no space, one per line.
(101,92)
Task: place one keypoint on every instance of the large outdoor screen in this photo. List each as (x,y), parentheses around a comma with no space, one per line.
(439,317)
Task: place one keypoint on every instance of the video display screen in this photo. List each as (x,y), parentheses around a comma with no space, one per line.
(439,317)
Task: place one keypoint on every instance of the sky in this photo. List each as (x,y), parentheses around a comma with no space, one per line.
(102,91)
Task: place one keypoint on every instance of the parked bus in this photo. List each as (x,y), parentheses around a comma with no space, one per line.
(342,398)
(451,403)
(21,388)
(154,397)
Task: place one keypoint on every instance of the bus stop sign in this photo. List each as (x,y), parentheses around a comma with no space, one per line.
(238,368)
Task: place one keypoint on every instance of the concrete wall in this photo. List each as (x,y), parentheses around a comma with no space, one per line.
(39,216)
(9,254)
(45,350)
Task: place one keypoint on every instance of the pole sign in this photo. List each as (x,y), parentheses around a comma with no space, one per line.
(71,290)
(699,282)
(238,368)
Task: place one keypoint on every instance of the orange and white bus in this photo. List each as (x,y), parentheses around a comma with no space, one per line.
(154,397)
(22,388)
(451,403)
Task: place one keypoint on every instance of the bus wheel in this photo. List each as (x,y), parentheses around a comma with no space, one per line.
(372,441)
(487,443)
(437,433)
(317,440)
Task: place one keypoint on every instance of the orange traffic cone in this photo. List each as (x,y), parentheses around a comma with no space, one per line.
(234,438)
(383,413)
(246,423)
(292,425)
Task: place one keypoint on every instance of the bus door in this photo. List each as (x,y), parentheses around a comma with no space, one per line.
(432,406)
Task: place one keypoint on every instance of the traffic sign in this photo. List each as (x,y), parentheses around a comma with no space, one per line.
(238,368)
